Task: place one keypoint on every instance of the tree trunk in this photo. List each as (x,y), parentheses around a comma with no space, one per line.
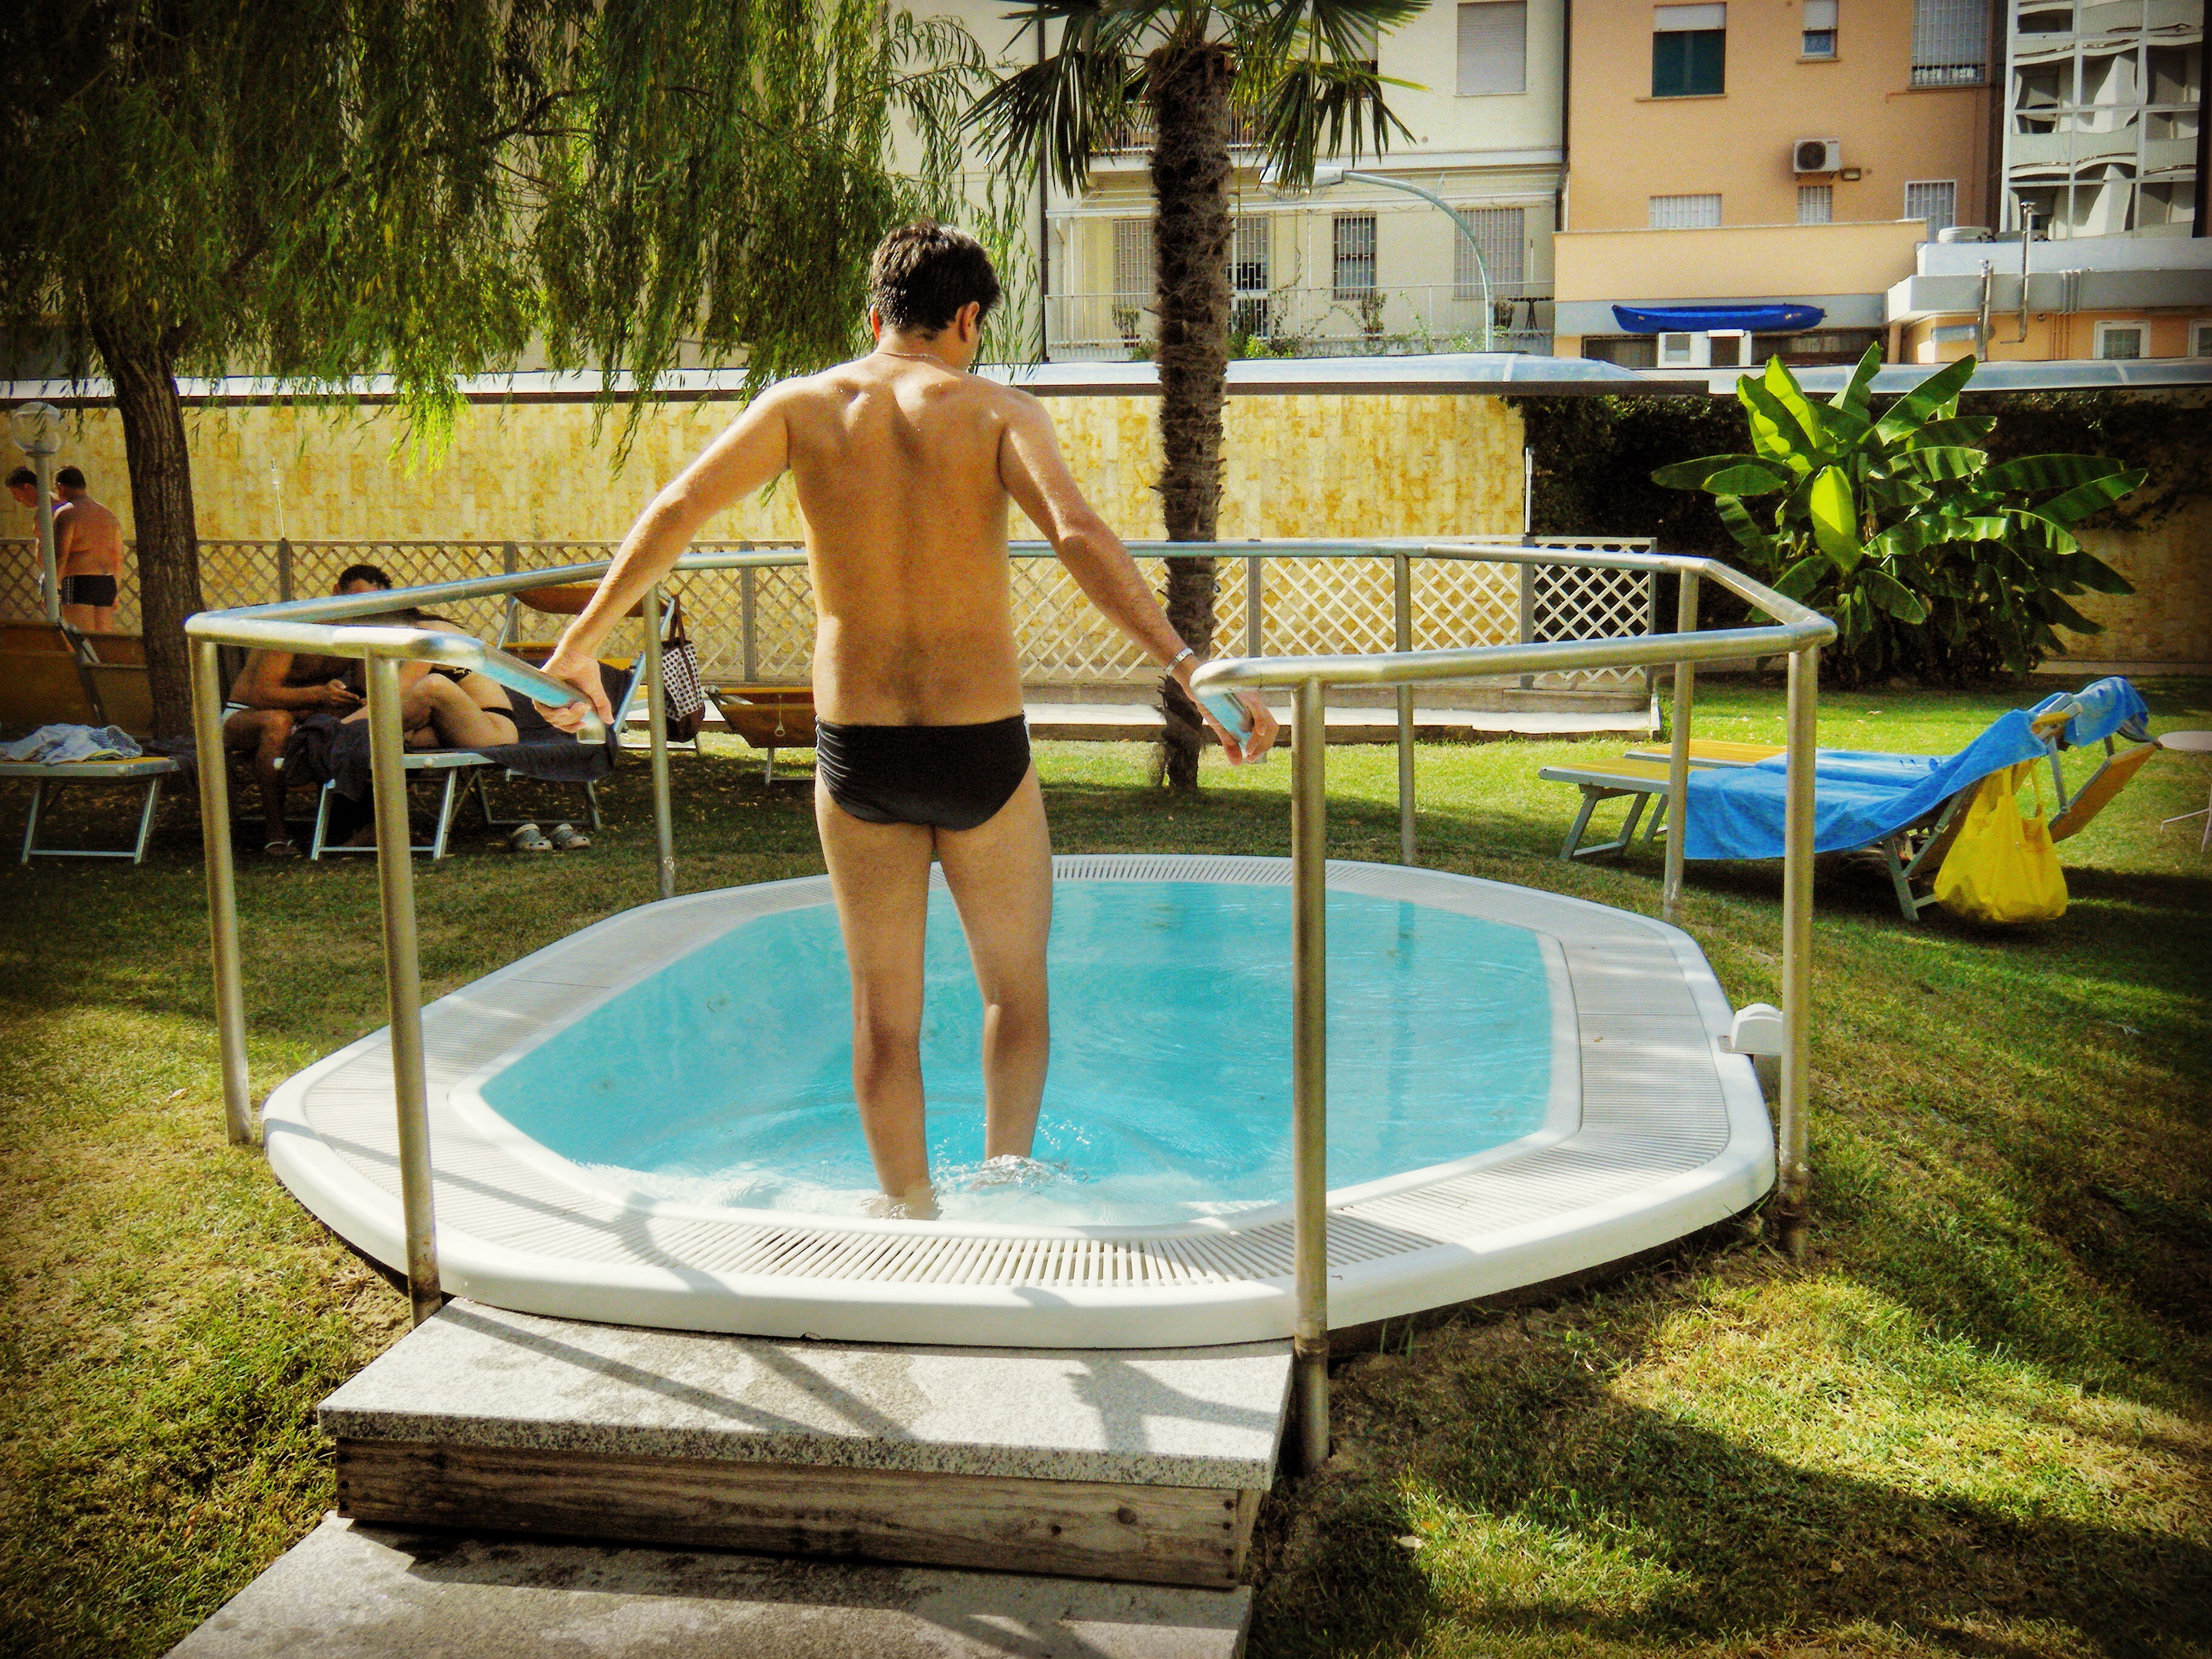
(141,363)
(1188,87)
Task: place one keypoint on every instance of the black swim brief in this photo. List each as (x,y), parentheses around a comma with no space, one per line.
(98,592)
(950,777)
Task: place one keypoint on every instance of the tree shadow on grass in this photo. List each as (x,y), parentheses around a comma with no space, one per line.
(1551,1508)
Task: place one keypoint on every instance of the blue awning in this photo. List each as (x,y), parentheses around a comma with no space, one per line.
(1698,319)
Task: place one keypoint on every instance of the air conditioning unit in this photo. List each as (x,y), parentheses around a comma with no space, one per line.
(1817,155)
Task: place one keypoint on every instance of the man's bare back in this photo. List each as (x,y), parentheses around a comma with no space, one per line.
(896,463)
(904,465)
(88,556)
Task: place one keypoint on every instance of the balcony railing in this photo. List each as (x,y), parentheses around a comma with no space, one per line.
(1318,322)
(1134,135)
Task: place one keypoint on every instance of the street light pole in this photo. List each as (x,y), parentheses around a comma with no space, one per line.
(1482,270)
(1325,177)
(36,429)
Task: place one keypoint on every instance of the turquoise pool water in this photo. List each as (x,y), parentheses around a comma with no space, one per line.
(725,1078)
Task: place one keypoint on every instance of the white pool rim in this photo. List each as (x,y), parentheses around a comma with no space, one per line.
(1653,1130)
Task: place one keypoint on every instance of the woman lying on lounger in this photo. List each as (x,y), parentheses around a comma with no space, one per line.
(446,707)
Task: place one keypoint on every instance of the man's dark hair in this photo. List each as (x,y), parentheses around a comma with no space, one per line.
(22,478)
(360,572)
(921,274)
(70,478)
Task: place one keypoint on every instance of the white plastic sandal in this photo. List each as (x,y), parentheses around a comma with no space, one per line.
(530,839)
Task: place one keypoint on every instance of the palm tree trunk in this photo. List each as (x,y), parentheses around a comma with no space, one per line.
(141,363)
(1187,83)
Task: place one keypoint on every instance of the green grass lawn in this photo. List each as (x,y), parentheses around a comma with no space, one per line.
(1977,1419)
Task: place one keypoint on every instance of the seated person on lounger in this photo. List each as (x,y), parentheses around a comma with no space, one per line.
(275,688)
(443,707)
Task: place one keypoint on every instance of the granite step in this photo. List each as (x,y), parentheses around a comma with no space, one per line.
(352,1591)
(1140,1466)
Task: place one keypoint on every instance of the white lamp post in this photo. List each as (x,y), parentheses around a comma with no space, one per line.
(37,429)
(1325,177)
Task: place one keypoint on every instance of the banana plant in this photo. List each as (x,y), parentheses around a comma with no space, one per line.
(1931,558)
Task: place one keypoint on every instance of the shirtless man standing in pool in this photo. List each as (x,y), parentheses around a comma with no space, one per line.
(904,465)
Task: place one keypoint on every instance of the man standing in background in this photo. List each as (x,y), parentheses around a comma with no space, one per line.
(88,554)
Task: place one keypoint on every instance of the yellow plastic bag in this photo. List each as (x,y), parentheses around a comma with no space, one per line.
(2002,867)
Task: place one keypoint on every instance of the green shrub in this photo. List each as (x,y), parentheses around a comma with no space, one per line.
(1933,559)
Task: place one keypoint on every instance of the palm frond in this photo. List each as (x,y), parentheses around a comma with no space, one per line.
(1069,105)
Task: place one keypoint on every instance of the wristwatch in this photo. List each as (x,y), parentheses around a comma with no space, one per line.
(1178,657)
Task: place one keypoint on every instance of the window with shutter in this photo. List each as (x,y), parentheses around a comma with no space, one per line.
(1353,236)
(1685,212)
(1934,200)
(1493,48)
(1502,234)
(1818,27)
(1950,42)
(1133,258)
(1816,205)
(1689,50)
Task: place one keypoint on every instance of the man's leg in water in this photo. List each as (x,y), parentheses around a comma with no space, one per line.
(1001,874)
(879,874)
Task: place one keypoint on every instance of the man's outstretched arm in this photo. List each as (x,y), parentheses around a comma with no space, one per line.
(1036,475)
(753,449)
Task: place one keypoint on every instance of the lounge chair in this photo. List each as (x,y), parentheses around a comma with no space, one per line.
(48,779)
(49,674)
(767,717)
(461,772)
(1906,809)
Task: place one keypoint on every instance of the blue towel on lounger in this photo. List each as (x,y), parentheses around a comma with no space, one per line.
(2110,707)
(1857,798)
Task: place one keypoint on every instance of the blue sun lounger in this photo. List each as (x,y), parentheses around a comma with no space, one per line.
(1903,807)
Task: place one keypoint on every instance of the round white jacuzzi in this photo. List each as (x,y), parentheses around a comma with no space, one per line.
(651,1122)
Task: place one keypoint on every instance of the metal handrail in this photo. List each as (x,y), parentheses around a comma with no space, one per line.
(306,625)
(1799,631)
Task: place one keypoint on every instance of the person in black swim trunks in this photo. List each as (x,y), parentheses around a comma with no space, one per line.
(88,554)
(905,465)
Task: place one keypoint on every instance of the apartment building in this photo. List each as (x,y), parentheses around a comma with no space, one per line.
(1356,267)
(2097,248)
(1754,176)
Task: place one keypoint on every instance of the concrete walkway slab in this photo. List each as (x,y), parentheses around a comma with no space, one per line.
(355,1592)
(481,1376)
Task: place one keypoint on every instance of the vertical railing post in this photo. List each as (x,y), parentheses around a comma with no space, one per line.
(1256,600)
(49,580)
(1525,632)
(656,720)
(1401,575)
(1793,1177)
(284,569)
(1650,627)
(745,611)
(221,890)
(1678,757)
(1309,1070)
(403,982)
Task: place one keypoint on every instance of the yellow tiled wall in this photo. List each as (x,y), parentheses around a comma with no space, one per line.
(1296,466)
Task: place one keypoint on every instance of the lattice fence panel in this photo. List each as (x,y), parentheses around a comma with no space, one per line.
(1457,604)
(19,579)
(1573,603)
(1329,607)
(1309,606)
